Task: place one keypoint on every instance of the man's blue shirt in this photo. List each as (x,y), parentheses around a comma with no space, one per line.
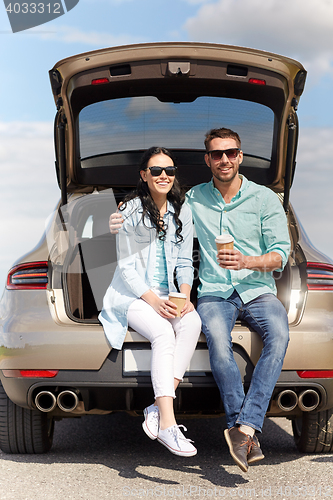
(256,220)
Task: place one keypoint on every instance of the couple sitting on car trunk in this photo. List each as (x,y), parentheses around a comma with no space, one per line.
(154,240)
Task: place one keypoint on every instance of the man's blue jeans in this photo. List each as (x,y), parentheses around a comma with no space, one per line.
(267,316)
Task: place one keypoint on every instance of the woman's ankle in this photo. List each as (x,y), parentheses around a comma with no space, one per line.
(165,424)
(167,416)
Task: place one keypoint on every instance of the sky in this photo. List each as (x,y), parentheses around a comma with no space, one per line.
(300,29)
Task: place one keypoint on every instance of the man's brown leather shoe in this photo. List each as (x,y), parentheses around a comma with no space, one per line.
(255,453)
(239,446)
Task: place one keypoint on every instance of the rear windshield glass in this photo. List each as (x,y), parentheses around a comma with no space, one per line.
(138,123)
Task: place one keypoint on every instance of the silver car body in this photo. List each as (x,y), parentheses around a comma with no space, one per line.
(54,357)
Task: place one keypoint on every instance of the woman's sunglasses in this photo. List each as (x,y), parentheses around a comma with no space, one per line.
(217,154)
(156,171)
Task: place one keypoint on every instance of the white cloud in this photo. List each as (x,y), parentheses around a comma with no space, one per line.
(70,34)
(297,28)
(311,192)
(28,189)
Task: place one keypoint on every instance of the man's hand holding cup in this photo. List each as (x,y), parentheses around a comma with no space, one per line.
(227,256)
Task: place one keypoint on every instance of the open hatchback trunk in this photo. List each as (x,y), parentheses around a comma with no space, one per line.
(115,103)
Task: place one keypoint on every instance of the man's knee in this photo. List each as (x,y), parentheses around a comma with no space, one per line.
(211,317)
(278,334)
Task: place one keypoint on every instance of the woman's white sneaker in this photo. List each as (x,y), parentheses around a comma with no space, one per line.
(173,439)
(151,422)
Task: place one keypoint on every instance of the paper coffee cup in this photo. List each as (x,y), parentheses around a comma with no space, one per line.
(224,241)
(178,299)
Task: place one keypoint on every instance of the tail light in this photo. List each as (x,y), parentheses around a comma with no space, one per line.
(99,81)
(320,276)
(257,81)
(28,276)
(315,374)
(30,373)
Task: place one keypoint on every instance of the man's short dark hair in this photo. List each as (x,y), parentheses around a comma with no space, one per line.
(221,133)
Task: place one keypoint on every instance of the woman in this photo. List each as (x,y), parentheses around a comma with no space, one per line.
(155,240)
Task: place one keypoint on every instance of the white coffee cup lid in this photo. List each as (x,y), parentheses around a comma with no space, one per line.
(179,295)
(224,238)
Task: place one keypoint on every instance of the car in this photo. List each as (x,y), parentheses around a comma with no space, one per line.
(112,104)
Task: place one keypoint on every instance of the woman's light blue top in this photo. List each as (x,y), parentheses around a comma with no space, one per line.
(161,272)
(136,254)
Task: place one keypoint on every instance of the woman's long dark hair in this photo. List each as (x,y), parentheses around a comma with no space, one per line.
(175,196)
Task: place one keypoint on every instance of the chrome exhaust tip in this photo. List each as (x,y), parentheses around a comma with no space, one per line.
(287,400)
(45,401)
(308,400)
(67,400)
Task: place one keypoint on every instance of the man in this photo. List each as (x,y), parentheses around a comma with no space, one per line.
(239,284)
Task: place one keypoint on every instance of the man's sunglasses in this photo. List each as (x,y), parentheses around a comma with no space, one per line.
(217,154)
(156,171)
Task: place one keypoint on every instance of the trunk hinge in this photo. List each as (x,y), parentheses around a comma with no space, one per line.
(62,159)
(62,168)
(290,159)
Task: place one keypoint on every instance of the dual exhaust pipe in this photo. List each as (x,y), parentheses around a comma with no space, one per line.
(287,400)
(46,401)
(307,400)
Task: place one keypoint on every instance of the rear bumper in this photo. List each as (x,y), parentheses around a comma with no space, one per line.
(112,388)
